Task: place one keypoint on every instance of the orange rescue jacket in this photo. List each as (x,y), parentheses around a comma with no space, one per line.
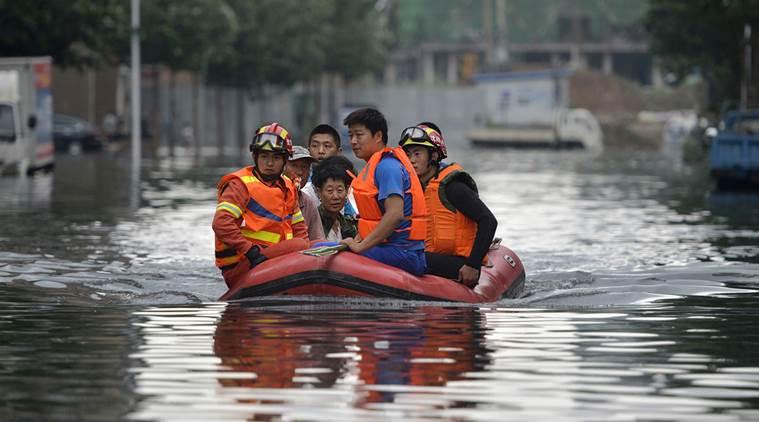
(449,232)
(266,219)
(365,193)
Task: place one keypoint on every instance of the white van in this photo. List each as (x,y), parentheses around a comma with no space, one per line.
(26,115)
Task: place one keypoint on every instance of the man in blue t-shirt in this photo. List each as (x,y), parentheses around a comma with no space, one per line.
(391,207)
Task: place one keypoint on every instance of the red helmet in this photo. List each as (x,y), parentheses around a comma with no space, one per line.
(424,136)
(272,137)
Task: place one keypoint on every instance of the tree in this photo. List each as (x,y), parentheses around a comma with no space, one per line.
(183,35)
(358,43)
(703,35)
(279,42)
(75,33)
(358,40)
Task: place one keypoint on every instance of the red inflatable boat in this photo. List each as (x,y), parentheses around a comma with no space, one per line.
(349,274)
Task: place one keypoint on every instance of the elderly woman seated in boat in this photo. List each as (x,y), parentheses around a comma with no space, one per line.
(332,179)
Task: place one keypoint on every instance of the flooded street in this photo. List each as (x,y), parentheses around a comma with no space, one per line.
(640,303)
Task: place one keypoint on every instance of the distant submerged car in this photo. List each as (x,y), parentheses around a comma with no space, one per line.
(74,134)
(734,151)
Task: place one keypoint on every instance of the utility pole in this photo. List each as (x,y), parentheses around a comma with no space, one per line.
(136,112)
(501,48)
(487,30)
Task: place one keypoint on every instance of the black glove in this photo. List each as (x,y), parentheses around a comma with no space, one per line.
(255,256)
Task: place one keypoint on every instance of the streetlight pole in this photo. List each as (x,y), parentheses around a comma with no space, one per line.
(136,112)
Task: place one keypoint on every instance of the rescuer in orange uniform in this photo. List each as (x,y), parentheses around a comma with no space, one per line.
(460,227)
(257,215)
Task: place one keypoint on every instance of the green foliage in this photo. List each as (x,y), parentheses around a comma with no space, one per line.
(703,34)
(358,38)
(280,42)
(184,34)
(241,43)
(75,33)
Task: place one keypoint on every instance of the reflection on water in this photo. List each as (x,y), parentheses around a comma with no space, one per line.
(269,361)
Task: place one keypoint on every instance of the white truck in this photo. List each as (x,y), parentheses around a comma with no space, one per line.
(26,115)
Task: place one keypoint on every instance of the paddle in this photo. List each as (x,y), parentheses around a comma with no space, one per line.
(326,250)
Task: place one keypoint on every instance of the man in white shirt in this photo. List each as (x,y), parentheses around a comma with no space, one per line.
(324,142)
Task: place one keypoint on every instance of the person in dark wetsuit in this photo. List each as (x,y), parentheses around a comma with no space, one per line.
(460,227)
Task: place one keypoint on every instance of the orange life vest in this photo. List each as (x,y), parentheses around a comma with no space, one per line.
(266,219)
(365,193)
(449,232)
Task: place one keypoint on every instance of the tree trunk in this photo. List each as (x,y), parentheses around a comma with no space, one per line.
(261,98)
(220,121)
(323,98)
(753,95)
(313,89)
(241,137)
(196,114)
(172,112)
(338,92)
(155,118)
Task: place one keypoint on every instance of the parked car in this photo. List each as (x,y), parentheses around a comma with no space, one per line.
(74,134)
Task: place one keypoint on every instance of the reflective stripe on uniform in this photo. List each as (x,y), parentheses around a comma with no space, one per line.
(265,236)
(298,217)
(260,211)
(230,208)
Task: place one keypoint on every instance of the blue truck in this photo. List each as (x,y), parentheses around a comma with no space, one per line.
(734,151)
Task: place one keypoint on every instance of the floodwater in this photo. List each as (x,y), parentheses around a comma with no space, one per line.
(641,303)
